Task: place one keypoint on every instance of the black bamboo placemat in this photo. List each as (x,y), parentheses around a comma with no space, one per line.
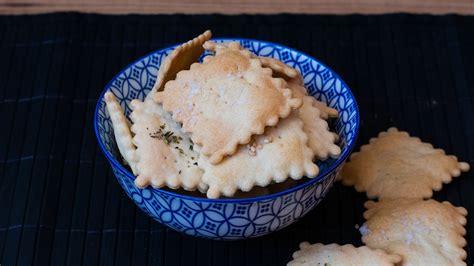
(59,202)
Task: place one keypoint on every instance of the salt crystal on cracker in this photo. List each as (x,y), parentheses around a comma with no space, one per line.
(423,232)
(395,165)
(180,59)
(225,100)
(286,155)
(164,153)
(122,133)
(334,254)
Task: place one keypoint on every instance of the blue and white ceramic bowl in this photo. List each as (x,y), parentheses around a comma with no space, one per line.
(231,219)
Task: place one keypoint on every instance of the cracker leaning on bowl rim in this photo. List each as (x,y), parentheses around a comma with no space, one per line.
(180,58)
(395,165)
(281,152)
(334,254)
(296,85)
(280,69)
(321,140)
(123,136)
(164,153)
(225,100)
(423,232)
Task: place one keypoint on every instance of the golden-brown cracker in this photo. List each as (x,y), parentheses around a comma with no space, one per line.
(164,153)
(298,90)
(180,59)
(281,152)
(122,133)
(279,68)
(321,140)
(334,254)
(395,165)
(423,232)
(225,100)
(326,111)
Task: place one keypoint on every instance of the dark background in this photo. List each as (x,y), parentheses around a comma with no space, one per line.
(59,202)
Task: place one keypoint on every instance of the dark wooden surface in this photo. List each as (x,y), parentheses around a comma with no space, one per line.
(239,6)
(60,204)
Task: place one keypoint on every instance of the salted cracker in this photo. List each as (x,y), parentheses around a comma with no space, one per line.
(334,254)
(280,153)
(423,232)
(164,153)
(395,165)
(225,100)
(180,59)
(122,133)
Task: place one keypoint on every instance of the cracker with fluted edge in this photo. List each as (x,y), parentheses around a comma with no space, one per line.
(225,100)
(423,232)
(334,254)
(321,140)
(180,58)
(296,85)
(279,68)
(164,153)
(123,136)
(280,153)
(395,165)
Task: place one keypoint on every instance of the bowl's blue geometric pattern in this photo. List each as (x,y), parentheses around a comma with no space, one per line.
(230,219)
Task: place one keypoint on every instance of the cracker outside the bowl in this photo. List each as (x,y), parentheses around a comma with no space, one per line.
(395,165)
(334,254)
(423,232)
(225,100)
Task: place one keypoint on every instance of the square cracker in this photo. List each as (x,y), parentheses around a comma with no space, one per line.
(334,254)
(296,85)
(164,153)
(423,232)
(281,152)
(225,100)
(180,59)
(395,165)
(122,133)
(321,140)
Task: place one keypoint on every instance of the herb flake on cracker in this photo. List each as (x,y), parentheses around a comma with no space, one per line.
(164,156)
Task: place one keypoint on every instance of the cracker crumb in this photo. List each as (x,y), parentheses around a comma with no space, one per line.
(268,139)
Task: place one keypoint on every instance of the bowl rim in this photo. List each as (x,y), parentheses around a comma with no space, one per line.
(342,158)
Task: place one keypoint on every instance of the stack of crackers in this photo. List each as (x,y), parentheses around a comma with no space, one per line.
(230,123)
(405,226)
